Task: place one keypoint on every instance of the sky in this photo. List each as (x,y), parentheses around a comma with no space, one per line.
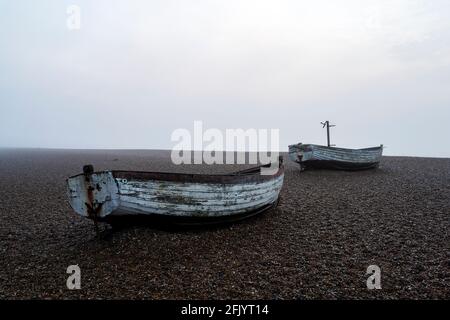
(136,71)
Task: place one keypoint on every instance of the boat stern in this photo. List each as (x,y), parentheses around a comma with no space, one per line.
(300,152)
(93,194)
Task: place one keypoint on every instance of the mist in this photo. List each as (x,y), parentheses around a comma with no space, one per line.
(136,71)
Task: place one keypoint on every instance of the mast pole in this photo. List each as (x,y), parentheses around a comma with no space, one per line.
(328,133)
(328,125)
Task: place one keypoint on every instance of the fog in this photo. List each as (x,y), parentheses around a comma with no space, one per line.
(135,71)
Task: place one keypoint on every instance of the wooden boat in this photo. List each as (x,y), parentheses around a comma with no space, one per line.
(316,156)
(196,198)
(329,157)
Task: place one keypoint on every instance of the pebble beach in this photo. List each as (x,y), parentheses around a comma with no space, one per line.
(328,228)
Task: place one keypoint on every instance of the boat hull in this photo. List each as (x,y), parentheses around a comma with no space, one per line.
(110,194)
(321,157)
(126,218)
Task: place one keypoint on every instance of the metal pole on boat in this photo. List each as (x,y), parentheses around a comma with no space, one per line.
(328,125)
(88,170)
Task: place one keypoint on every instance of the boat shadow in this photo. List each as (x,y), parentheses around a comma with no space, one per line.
(176,224)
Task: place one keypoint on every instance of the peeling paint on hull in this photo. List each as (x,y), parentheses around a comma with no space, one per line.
(119,193)
(315,156)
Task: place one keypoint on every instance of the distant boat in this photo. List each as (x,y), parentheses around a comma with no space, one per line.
(330,157)
(191,198)
(323,157)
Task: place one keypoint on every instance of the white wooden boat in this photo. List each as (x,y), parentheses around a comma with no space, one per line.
(197,197)
(316,156)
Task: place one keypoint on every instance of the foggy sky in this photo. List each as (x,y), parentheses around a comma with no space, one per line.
(138,70)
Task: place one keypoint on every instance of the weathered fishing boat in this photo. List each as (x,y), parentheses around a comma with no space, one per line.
(316,156)
(196,198)
(329,157)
